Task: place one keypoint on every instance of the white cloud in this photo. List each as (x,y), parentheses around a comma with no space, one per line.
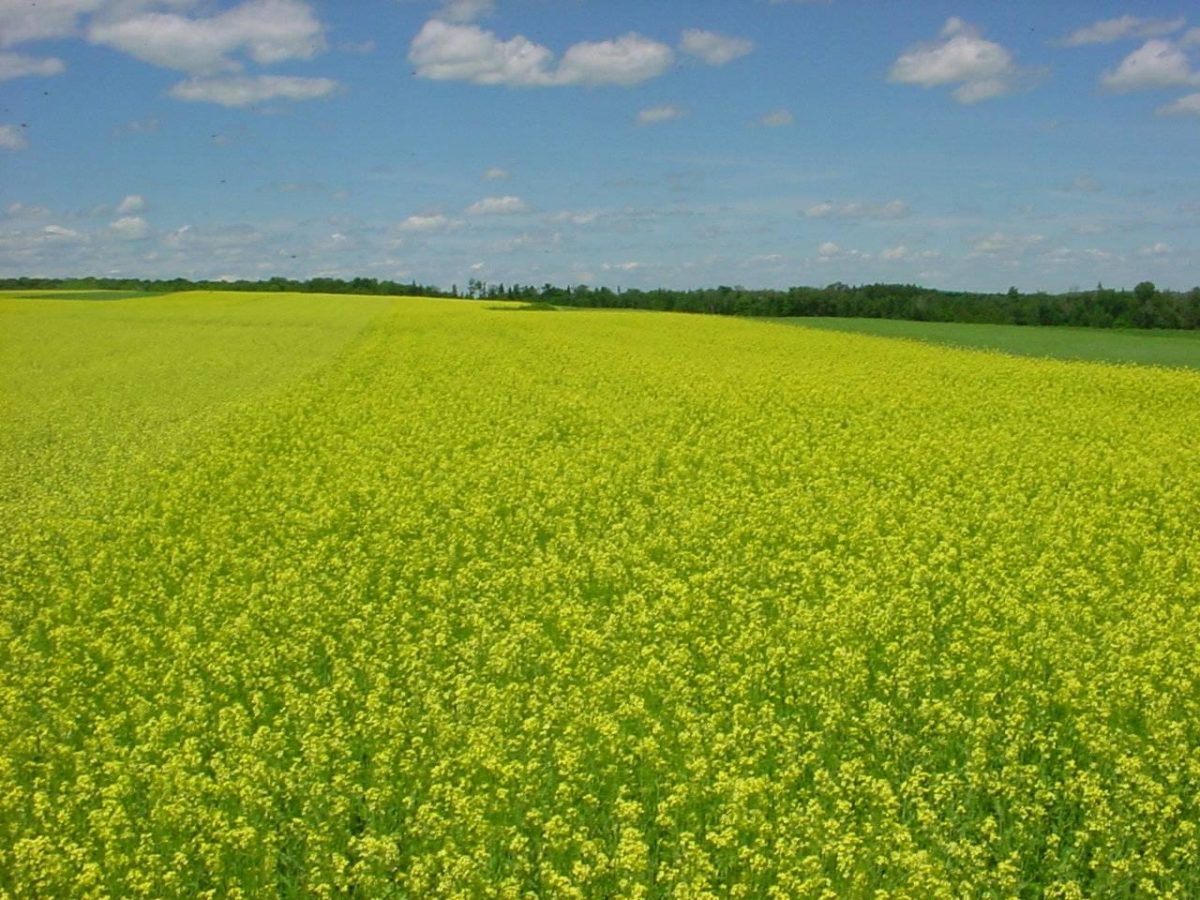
(894,253)
(1156,249)
(266,31)
(418,224)
(1156,64)
(778,119)
(1191,38)
(18,65)
(131,204)
(22,20)
(999,244)
(1188,105)
(20,210)
(130,228)
(497,206)
(715,49)
(221,241)
(495,174)
(445,52)
(622,266)
(829,251)
(1072,256)
(655,114)
(58,232)
(587,217)
(1109,30)
(250,90)
(854,210)
(12,137)
(627,60)
(982,69)
(462,11)
(983,89)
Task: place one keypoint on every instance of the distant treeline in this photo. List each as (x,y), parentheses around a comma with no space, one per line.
(1143,307)
(164,286)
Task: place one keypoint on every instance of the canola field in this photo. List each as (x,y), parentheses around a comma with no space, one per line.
(385,597)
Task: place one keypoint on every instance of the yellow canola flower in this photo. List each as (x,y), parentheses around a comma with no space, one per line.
(308,595)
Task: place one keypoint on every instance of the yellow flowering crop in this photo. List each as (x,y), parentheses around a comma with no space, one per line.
(312,596)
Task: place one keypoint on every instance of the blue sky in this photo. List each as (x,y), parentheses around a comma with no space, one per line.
(621,142)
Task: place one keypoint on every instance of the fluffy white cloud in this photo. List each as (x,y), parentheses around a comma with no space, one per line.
(1156,64)
(497,206)
(12,137)
(131,204)
(495,173)
(832,252)
(1109,30)
(18,65)
(418,224)
(442,51)
(627,60)
(130,228)
(1156,249)
(715,49)
(266,31)
(655,114)
(58,232)
(854,210)
(778,119)
(1185,106)
(901,252)
(445,52)
(251,90)
(982,69)
(22,20)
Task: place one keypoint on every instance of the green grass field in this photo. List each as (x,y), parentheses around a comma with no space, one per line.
(62,294)
(308,595)
(1146,347)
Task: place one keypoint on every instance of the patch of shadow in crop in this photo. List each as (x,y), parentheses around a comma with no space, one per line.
(91,296)
(536,306)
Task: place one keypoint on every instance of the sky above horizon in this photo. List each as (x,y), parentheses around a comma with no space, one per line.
(767,143)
